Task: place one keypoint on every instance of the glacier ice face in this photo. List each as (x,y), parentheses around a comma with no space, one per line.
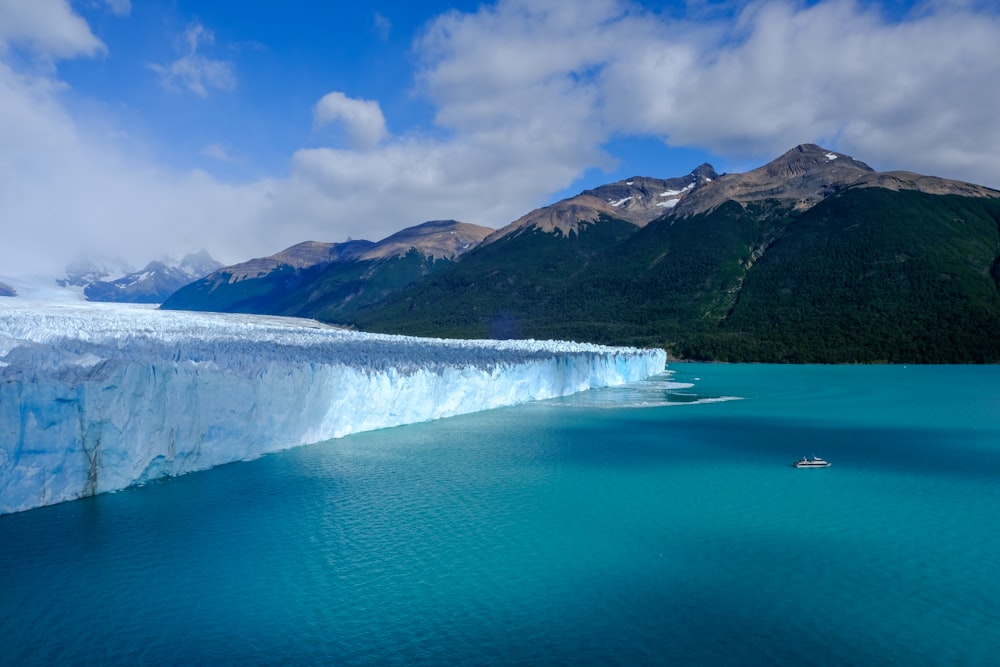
(99,397)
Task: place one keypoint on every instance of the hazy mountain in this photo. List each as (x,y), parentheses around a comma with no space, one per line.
(7,290)
(198,264)
(85,271)
(154,283)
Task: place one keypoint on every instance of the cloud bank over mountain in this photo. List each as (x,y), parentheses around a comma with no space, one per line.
(522,99)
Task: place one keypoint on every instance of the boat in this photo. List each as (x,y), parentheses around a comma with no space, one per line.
(811,462)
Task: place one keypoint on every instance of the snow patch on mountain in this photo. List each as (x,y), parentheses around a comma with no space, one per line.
(676,193)
(154,282)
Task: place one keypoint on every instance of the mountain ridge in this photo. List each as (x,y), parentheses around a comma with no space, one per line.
(808,174)
(287,281)
(688,264)
(804,175)
(639,200)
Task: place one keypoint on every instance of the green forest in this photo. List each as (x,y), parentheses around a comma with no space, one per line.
(867,276)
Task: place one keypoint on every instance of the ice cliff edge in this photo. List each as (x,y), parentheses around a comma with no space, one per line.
(97,398)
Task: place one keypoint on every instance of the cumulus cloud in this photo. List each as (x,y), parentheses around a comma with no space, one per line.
(917,92)
(528,92)
(49,28)
(526,96)
(66,192)
(362,120)
(488,179)
(194,71)
(912,94)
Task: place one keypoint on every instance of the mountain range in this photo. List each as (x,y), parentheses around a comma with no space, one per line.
(331,281)
(114,280)
(813,257)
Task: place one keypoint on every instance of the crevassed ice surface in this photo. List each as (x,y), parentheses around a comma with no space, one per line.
(99,397)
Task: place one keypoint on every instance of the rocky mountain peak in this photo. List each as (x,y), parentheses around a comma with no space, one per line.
(704,173)
(299,256)
(440,239)
(641,199)
(809,158)
(808,174)
(198,264)
(803,176)
(638,200)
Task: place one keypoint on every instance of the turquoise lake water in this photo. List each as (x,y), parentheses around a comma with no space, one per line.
(658,524)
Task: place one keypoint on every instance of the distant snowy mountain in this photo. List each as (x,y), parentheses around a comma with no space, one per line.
(198,264)
(116,281)
(85,271)
(7,290)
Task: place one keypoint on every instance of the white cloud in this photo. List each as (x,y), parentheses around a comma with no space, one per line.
(486,179)
(120,7)
(193,71)
(218,152)
(47,27)
(64,192)
(911,94)
(362,120)
(919,93)
(526,94)
(382,25)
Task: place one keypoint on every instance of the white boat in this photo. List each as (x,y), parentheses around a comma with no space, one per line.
(811,462)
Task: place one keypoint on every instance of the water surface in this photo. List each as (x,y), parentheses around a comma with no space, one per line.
(654,524)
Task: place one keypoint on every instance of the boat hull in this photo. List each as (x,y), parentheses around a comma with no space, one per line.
(811,462)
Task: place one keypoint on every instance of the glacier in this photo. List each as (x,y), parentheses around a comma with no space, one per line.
(100,397)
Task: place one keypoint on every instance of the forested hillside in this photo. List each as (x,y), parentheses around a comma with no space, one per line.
(812,257)
(866,275)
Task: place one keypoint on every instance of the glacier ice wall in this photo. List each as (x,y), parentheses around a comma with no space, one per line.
(99,397)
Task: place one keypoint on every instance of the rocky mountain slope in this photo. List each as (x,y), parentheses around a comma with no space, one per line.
(808,174)
(812,257)
(637,200)
(314,279)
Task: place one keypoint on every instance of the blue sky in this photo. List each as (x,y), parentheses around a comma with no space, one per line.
(145,128)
